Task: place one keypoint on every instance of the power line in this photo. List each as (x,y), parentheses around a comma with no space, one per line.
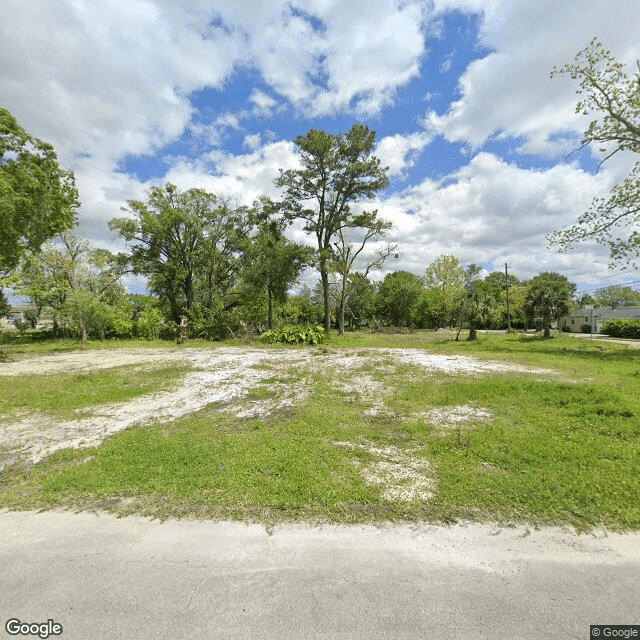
(622,284)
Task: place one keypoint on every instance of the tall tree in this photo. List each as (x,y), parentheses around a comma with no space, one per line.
(271,261)
(480,303)
(548,297)
(502,285)
(189,245)
(5,307)
(609,92)
(361,301)
(337,172)
(37,198)
(78,284)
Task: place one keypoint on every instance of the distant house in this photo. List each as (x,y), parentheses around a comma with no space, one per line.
(595,317)
(18,313)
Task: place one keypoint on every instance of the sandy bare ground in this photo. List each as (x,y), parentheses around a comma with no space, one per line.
(226,376)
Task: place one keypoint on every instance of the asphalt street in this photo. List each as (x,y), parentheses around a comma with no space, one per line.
(109,578)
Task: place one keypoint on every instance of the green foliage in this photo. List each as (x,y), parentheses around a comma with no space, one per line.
(445,283)
(360,301)
(37,199)
(337,172)
(614,97)
(294,335)
(617,296)
(214,323)
(481,305)
(304,309)
(621,328)
(188,244)
(271,262)
(548,297)
(5,307)
(79,286)
(347,251)
(397,297)
(147,316)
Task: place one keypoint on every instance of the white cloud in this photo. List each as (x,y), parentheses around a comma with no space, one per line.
(252,141)
(106,78)
(263,102)
(509,91)
(400,152)
(493,212)
(244,176)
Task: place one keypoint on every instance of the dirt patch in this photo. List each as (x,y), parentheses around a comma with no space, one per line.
(226,376)
(403,476)
(447,418)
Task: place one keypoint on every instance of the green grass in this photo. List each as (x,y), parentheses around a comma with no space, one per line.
(560,449)
(61,394)
(16,348)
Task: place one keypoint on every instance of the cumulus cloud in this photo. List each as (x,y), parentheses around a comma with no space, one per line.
(400,152)
(493,212)
(509,91)
(242,176)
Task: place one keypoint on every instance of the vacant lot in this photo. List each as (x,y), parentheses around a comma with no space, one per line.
(367,428)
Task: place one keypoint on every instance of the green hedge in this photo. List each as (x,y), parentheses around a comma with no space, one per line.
(619,328)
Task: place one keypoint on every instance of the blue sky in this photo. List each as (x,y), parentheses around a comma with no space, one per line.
(208,94)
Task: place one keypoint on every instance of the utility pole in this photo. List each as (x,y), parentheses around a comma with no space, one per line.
(506,283)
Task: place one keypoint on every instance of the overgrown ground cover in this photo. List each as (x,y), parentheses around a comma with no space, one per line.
(384,441)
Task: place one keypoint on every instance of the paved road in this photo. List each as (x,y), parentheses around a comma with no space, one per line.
(108,578)
(603,338)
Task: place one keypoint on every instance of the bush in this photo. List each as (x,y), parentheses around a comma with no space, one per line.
(631,329)
(148,324)
(294,335)
(619,328)
(585,328)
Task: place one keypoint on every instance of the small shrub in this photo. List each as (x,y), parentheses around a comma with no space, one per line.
(585,328)
(294,335)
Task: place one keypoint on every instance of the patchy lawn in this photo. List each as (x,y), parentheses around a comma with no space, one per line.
(367,428)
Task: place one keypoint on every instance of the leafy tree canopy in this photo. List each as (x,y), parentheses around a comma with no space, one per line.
(189,244)
(37,198)
(548,297)
(398,294)
(614,96)
(617,295)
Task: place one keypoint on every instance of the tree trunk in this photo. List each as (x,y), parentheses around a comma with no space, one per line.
(342,304)
(327,302)
(473,333)
(270,308)
(546,321)
(341,320)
